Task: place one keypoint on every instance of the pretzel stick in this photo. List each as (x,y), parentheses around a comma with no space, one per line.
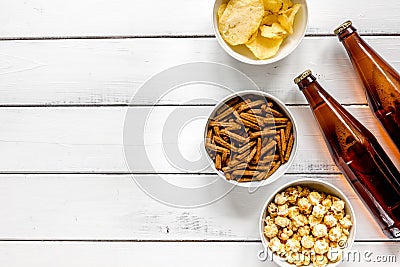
(217,148)
(289,148)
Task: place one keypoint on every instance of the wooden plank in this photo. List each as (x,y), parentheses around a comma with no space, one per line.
(45,254)
(113,207)
(39,18)
(165,139)
(15,254)
(110,72)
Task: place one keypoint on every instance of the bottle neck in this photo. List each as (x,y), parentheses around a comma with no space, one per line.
(355,46)
(312,90)
(371,68)
(328,111)
(347,32)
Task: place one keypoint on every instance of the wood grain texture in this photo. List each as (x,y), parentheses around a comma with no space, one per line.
(47,254)
(113,207)
(172,254)
(110,72)
(91,140)
(101,214)
(40,18)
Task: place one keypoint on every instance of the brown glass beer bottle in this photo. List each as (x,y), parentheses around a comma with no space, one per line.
(381,81)
(357,154)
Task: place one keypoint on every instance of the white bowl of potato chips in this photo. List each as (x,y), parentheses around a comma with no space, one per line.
(307,222)
(260,31)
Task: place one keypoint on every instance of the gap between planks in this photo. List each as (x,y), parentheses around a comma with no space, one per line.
(169,241)
(122,105)
(148,173)
(183,36)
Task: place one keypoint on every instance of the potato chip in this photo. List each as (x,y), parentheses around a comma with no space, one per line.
(284,21)
(275,31)
(264,48)
(240,20)
(269,18)
(286,18)
(286,4)
(221,10)
(277,5)
(253,36)
(273,5)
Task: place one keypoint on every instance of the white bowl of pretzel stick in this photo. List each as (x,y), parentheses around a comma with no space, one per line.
(250,138)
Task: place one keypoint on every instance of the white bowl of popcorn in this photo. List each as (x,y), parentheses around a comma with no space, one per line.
(307,222)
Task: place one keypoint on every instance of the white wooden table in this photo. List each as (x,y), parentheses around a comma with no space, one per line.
(68,71)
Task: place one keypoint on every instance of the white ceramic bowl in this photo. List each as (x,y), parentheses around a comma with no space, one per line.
(320,186)
(283,168)
(242,53)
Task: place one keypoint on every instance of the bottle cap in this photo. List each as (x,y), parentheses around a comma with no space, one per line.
(342,27)
(302,76)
